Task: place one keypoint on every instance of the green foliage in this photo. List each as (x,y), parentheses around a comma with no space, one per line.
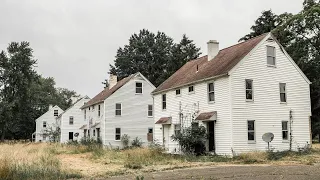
(125,140)
(155,55)
(136,142)
(192,139)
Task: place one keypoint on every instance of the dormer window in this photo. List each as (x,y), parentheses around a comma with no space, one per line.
(55,113)
(138,88)
(271,55)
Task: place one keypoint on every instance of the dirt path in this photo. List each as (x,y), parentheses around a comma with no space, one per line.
(248,172)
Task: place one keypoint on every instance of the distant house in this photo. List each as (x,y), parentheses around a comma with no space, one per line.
(71,120)
(238,93)
(45,123)
(125,107)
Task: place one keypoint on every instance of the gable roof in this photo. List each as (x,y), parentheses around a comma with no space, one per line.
(47,112)
(220,65)
(104,94)
(84,97)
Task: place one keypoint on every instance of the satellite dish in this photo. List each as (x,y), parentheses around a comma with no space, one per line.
(76,134)
(268,137)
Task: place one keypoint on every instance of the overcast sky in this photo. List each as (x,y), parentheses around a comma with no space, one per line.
(75,40)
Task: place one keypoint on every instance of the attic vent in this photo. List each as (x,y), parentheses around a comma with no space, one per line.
(197,67)
(270,39)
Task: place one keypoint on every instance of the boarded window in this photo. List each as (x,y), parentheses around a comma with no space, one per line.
(56,113)
(118,134)
(164,101)
(71,120)
(249,89)
(251,131)
(118,109)
(138,87)
(150,134)
(283,96)
(211,92)
(285,130)
(271,55)
(150,110)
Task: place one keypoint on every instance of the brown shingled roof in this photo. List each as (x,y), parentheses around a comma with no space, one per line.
(221,64)
(107,92)
(206,115)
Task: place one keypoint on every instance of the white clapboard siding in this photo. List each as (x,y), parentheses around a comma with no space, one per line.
(134,120)
(78,121)
(94,116)
(266,109)
(51,122)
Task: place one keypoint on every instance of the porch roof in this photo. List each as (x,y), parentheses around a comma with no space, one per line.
(164,120)
(96,125)
(207,116)
(83,127)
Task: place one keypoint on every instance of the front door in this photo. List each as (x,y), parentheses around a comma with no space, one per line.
(211,143)
(165,131)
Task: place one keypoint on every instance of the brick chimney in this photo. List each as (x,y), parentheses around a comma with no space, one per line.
(213,49)
(113,79)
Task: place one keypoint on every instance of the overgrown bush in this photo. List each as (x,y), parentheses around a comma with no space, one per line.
(137,142)
(125,140)
(192,139)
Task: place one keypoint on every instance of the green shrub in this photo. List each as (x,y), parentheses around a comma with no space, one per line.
(137,142)
(125,140)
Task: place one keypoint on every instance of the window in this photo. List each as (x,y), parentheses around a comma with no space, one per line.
(164,101)
(138,88)
(88,133)
(93,107)
(283,97)
(177,129)
(99,110)
(118,134)
(251,133)
(89,108)
(94,132)
(71,120)
(85,114)
(44,124)
(56,112)
(191,89)
(178,92)
(271,55)
(150,130)
(150,135)
(211,92)
(118,109)
(150,110)
(284,130)
(249,89)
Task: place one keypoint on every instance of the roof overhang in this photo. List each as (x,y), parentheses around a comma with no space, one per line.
(96,125)
(164,120)
(207,116)
(84,127)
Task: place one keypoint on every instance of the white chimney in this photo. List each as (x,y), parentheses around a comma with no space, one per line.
(113,79)
(213,49)
(50,106)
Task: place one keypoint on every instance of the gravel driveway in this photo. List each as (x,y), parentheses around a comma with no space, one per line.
(248,172)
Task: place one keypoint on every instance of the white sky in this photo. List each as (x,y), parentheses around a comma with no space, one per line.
(75,40)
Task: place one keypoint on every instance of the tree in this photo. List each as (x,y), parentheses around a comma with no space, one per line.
(154,55)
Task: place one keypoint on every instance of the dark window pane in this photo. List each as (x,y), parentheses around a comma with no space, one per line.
(271,60)
(138,84)
(282,87)
(177,91)
(248,94)
(118,112)
(190,88)
(164,98)
(283,97)
(118,137)
(211,96)
(118,130)
(164,105)
(150,107)
(251,136)
(285,135)
(139,90)
(211,87)
(150,130)
(118,106)
(251,125)
(284,125)
(248,84)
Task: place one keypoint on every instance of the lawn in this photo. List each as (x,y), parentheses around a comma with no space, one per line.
(56,161)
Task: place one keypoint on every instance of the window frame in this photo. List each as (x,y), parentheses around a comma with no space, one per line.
(150,128)
(115,134)
(179,92)
(164,101)
(56,114)
(208,92)
(44,124)
(71,118)
(176,130)
(138,87)
(287,130)
(250,131)
(252,95)
(193,89)
(150,105)
(118,109)
(99,110)
(275,62)
(285,93)
(85,115)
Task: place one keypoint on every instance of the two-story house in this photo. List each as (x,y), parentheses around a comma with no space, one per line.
(238,93)
(46,122)
(71,120)
(125,107)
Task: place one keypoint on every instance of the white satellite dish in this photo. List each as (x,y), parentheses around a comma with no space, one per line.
(267,137)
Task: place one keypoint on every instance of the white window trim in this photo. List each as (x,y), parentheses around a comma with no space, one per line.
(214,92)
(117,109)
(285,140)
(192,92)
(135,87)
(285,93)
(254,131)
(245,87)
(115,133)
(149,110)
(275,56)
(72,120)
(177,95)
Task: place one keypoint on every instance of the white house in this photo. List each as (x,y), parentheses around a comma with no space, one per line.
(125,107)
(238,93)
(45,122)
(71,120)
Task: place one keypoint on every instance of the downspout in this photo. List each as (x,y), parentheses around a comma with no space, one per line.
(290,127)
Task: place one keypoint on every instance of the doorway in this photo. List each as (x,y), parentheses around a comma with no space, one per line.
(165,135)
(211,143)
(71,136)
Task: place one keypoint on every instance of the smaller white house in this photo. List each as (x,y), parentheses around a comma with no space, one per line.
(71,120)
(46,122)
